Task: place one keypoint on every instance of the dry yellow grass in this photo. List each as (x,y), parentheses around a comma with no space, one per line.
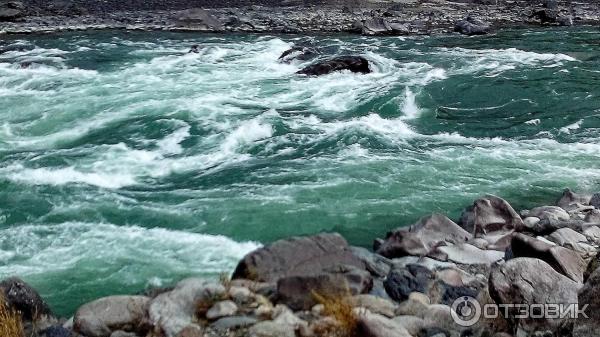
(339,306)
(11,324)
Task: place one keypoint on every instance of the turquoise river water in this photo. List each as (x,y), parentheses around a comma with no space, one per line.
(127,163)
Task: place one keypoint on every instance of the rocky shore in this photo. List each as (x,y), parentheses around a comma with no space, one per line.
(412,283)
(398,17)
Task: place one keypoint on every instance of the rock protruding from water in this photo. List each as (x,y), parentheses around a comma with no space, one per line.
(310,255)
(355,64)
(300,53)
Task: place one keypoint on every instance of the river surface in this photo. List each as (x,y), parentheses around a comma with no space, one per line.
(127,163)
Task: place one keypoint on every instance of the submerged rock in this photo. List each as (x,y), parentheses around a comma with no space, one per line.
(471,26)
(355,64)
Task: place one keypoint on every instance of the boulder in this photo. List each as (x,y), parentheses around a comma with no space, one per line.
(373,325)
(376,305)
(298,53)
(271,329)
(566,237)
(10,14)
(468,254)
(471,26)
(595,200)
(563,260)
(355,64)
(420,238)
(531,281)
(172,311)
(377,265)
(299,292)
(55,331)
(376,26)
(414,325)
(546,16)
(23,298)
(589,295)
(200,19)
(298,256)
(569,198)
(593,216)
(401,282)
(490,214)
(222,309)
(549,213)
(233,322)
(103,316)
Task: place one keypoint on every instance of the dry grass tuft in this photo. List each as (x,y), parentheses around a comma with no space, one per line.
(339,306)
(11,324)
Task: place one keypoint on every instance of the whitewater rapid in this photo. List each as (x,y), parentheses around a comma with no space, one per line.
(127,158)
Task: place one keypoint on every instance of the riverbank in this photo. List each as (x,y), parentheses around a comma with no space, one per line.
(406,17)
(413,283)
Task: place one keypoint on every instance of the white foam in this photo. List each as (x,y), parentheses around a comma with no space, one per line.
(409,106)
(571,127)
(38,249)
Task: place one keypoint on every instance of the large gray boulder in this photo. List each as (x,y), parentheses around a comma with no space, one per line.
(172,311)
(297,256)
(115,313)
(569,198)
(299,292)
(374,325)
(531,281)
(420,238)
(563,260)
(490,214)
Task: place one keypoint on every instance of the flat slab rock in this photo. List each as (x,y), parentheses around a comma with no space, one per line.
(469,254)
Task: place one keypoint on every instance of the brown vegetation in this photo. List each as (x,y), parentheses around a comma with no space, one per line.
(338,306)
(11,324)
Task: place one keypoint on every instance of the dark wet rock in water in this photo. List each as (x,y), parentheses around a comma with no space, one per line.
(298,292)
(529,281)
(422,237)
(298,53)
(22,297)
(309,255)
(545,16)
(355,64)
(471,26)
(403,281)
(563,260)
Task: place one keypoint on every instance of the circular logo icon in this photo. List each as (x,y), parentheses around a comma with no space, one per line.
(466,311)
